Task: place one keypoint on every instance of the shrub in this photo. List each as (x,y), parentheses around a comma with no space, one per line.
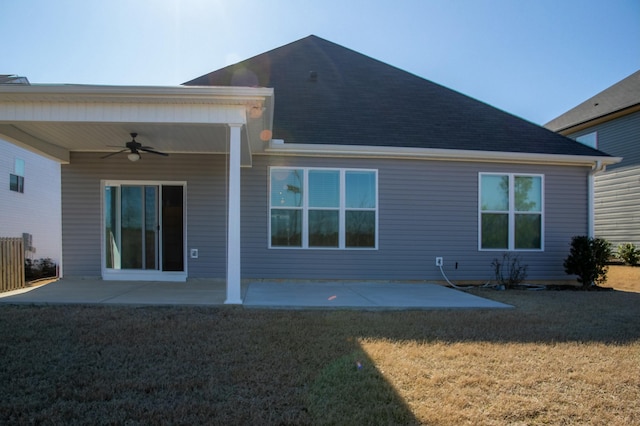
(39,268)
(588,260)
(509,272)
(628,253)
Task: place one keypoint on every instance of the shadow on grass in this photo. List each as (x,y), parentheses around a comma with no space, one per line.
(352,390)
(118,365)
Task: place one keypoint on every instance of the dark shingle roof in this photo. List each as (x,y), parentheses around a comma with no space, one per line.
(622,95)
(327,94)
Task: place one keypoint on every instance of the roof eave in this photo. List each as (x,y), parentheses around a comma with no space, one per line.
(576,127)
(120,93)
(323,150)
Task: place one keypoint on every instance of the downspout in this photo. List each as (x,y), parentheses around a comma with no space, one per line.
(596,168)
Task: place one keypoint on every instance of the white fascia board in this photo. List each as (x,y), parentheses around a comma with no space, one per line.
(71,93)
(131,103)
(322,150)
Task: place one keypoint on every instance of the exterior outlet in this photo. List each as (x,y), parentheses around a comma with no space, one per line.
(194,253)
(439,261)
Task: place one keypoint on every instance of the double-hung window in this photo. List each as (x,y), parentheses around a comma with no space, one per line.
(16,179)
(511,212)
(323,208)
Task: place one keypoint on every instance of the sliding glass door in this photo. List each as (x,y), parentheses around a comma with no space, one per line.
(144,227)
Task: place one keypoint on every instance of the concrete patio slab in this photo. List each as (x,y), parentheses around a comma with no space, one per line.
(361,295)
(271,295)
(78,291)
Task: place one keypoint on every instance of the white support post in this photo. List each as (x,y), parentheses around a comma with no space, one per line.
(234,296)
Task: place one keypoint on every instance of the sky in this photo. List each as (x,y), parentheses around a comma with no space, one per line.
(532,58)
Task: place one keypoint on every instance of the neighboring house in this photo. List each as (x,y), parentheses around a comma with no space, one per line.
(310,161)
(30,196)
(610,121)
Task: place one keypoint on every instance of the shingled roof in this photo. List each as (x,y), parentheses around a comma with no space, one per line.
(327,94)
(622,96)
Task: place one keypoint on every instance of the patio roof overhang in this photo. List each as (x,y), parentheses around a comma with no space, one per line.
(56,120)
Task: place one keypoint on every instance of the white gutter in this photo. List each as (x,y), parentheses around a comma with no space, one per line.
(278,147)
(596,168)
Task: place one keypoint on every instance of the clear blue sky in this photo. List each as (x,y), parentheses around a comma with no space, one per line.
(533,58)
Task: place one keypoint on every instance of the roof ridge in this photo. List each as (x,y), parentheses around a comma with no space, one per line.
(621,95)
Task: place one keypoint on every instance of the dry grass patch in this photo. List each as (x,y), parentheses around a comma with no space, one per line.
(558,357)
(513,383)
(624,277)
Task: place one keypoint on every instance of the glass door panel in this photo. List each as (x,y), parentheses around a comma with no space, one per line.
(111,227)
(172,228)
(132,227)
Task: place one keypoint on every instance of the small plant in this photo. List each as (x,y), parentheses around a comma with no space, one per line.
(629,254)
(588,260)
(39,268)
(508,271)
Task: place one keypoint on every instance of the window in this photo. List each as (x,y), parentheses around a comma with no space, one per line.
(16,179)
(323,208)
(590,139)
(511,212)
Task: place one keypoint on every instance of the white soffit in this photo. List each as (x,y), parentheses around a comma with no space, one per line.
(54,120)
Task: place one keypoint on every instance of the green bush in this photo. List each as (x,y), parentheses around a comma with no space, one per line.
(588,260)
(628,253)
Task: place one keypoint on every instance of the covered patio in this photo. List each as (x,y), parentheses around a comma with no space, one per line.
(70,123)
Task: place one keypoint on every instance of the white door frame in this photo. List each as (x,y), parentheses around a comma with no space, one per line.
(109,274)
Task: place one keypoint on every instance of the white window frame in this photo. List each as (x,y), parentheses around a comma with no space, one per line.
(512,212)
(109,274)
(18,172)
(587,138)
(342,209)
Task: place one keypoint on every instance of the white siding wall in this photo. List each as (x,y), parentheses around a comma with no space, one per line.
(37,211)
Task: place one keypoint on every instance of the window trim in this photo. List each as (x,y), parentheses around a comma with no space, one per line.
(305,208)
(19,187)
(584,138)
(512,212)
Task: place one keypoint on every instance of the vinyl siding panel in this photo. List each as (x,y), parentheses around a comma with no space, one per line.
(426,209)
(617,194)
(620,138)
(205,177)
(617,206)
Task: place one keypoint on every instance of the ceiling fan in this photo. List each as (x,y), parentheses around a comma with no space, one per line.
(134,148)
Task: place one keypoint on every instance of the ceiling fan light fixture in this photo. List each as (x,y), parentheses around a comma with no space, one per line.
(134,156)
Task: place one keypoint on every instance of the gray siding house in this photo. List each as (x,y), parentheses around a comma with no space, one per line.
(610,121)
(310,161)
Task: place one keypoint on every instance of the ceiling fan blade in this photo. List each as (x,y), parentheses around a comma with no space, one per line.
(149,149)
(114,153)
